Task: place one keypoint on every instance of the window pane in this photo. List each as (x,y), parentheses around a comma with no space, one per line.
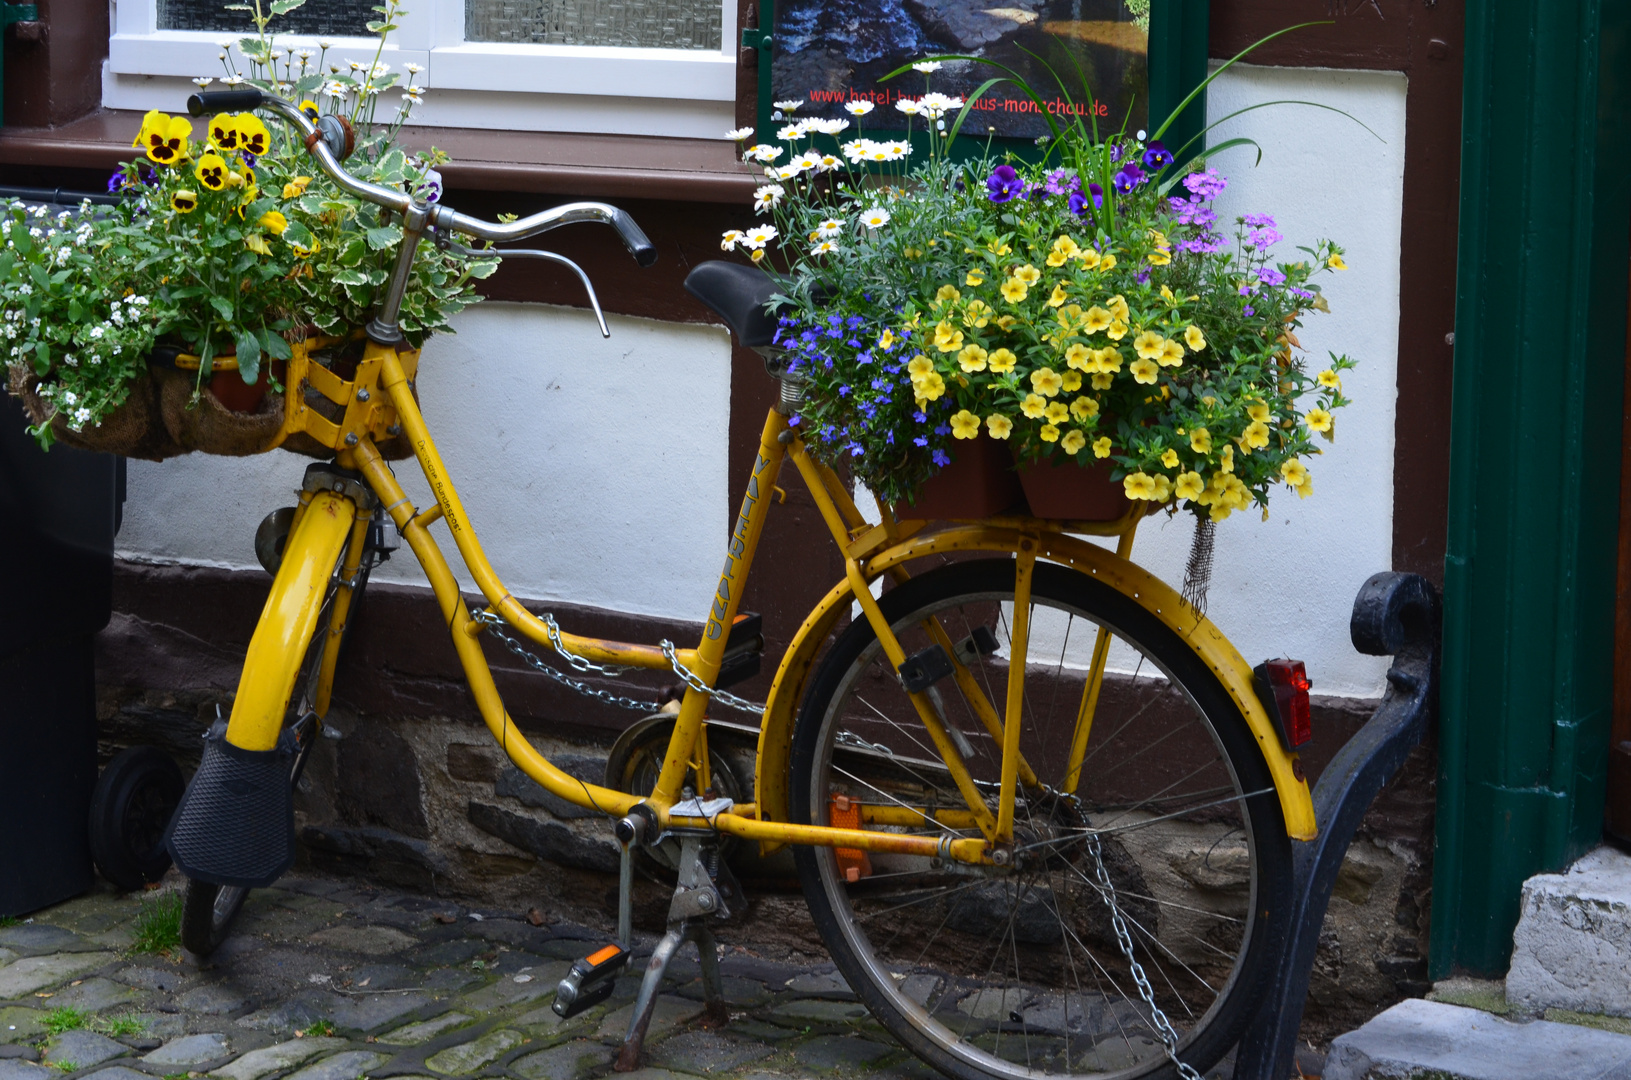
(336,17)
(652,24)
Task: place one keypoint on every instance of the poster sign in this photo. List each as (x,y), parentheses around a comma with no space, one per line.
(827,53)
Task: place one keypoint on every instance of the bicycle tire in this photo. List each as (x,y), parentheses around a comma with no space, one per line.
(1203,876)
(131,806)
(208,910)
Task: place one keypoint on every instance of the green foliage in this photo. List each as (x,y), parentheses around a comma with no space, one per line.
(116,1026)
(319,1029)
(65,1066)
(59,1020)
(158,924)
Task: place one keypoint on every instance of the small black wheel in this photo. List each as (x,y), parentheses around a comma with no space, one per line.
(207,914)
(131,806)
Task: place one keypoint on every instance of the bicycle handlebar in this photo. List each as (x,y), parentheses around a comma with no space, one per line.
(318,135)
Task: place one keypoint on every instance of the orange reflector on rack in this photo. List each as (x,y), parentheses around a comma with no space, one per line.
(853,863)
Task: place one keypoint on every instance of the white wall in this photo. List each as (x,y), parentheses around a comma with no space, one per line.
(593,470)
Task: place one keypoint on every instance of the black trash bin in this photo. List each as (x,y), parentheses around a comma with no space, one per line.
(59,511)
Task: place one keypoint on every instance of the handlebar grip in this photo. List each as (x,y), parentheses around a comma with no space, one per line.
(220,101)
(644,252)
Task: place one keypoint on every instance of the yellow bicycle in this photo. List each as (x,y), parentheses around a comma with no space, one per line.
(1041,808)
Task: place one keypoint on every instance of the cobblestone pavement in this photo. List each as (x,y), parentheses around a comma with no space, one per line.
(326,980)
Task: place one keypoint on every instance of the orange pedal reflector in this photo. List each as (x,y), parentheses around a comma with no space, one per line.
(853,863)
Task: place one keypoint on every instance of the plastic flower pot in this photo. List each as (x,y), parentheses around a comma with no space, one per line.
(979,483)
(1067,491)
(230,390)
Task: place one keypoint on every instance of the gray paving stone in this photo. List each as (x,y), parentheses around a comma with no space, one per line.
(346,1066)
(191,1050)
(95,995)
(33,973)
(83,1049)
(707,1052)
(669,1014)
(369,940)
(6,956)
(470,1056)
(276,1058)
(538,983)
(13,1069)
(425,1030)
(151,977)
(810,982)
(212,999)
(21,1025)
(651,1072)
(741,993)
(802,1013)
(282,1016)
(367,1012)
(1456,1043)
(832,1053)
(120,1072)
(162,1025)
(749,1028)
(568,1061)
(36,938)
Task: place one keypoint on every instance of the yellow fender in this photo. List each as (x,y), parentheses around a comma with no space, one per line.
(776,734)
(288,621)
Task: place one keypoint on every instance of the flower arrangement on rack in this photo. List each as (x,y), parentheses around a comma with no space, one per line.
(1087,307)
(224,239)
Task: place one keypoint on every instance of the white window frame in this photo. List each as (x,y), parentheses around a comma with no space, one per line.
(495,85)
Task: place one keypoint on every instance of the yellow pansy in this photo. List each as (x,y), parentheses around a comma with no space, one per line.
(1170,458)
(947,338)
(165,138)
(1144,371)
(977,314)
(1148,345)
(1034,406)
(253,138)
(212,171)
(1256,435)
(1049,433)
(1116,330)
(224,132)
(975,277)
(257,243)
(1194,339)
(1055,258)
(947,292)
(919,366)
(1084,407)
(1318,420)
(1335,262)
(1046,381)
(1059,296)
(1079,356)
(1066,246)
(1073,442)
(1189,485)
(1200,441)
(1029,274)
(998,425)
(1001,361)
(153,119)
(296,187)
(184,202)
(1072,381)
(1014,290)
(965,425)
(1102,380)
(1056,413)
(972,358)
(1101,447)
(273,221)
(1139,485)
(1294,472)
(1329,379)
(1172,353)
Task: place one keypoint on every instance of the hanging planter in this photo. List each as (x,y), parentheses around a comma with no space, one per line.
(980,482)
(1067,491)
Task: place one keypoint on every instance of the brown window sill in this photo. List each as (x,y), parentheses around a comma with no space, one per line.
(609,166)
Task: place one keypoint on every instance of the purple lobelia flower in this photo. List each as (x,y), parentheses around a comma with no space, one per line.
(1004,184)
(1157,156)
(1270,276)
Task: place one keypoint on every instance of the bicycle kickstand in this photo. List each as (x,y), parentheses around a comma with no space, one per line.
(698,900)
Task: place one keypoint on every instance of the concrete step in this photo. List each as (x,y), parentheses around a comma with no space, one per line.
(1448,1042)
(1572,947)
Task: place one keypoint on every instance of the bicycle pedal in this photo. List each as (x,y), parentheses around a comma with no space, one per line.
(982,642)
(590,981)
(924,668)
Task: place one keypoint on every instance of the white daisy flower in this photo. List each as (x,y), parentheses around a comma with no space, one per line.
(731,238)
(233,80)
(742,134)
(325,44)
(787,106)
(937,105)
(829,127)
(763,152)
(875,218)
(857,149)
(807,160)
(202,83)
(824,248)
(859,108)
(896,150)
(829,229)
(413,69)
(767,197)
(414,95)
(908,106)
(828,163)
(789,171)
(307,54)
(791,133)
(758,237)
(926,66)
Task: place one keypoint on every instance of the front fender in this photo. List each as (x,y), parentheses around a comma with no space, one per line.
(1219,654)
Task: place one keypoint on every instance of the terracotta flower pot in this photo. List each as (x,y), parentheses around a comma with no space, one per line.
(980,482)
(230,390)
(1067,491)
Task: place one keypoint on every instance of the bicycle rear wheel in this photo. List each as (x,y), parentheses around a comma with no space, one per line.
(1004,972)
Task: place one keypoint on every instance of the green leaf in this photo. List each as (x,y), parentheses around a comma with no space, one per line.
(297,233)
(350,277)
(249,356)
(221,304)
(283,7)
(274,345)
(381,238)
(352,253)
(23,242)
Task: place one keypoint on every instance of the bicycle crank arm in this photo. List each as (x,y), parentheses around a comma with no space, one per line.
(535,253)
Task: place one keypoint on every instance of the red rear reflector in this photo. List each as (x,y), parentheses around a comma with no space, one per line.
(1282,686)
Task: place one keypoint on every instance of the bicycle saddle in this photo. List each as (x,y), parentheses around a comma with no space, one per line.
(736,293)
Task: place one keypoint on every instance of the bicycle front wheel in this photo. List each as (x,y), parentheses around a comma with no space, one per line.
(1153,838)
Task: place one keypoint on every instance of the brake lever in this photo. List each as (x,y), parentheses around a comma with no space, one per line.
(532,253)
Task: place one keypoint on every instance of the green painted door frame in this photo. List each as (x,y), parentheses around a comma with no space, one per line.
(1534,460)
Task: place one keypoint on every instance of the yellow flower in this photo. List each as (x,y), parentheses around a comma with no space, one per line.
(296,187)
(1101,447)
(303,251)
(274,222)
(1029,274)
(224,132)
(947,292)
(1056,413)
(913,253)
(947,338)
(1166,294)
(1226,459)
(1073,442)
(252,134)
(1102,380)
(1318,420)
(257,243)
(1046,381)
(972,358)
(977,314)
(997,247)
(929,387)
(1139,485)
(1059,296)
(1144,371)
(975,277)
(184,202)
(1084,407)
(1163,489)
(1118,308)
(1158,258)
(1097,319)
(1013,290)
(1170,458)
(1335,263)
(1007,321)
(309,107)
(965,425)
(166,138)
(1034,406)
(1194,339)
(1306,488)
(757,254)
(1148,345)
(1079,356)
(1258,412)
(1065,246)
(1256,435)
(1330,379)
(998,425)
(1189,485)
(1001,361)
(1294,472)
(1072,381)
(1117,330)
(1108,359)
(153,120)
(1089,258)
(1049,433)
(1159,239)
(1107,263)
(1172,353)
(886,340)
(211,171)
(1055,258)
(919,366)
(1200,441)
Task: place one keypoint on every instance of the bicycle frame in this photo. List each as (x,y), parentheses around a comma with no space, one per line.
(870,552)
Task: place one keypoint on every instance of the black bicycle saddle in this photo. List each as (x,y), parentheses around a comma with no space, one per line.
(736,293)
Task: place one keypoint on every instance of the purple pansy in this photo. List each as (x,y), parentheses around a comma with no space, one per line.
(1004,184)
(1157,156)
(1128,178)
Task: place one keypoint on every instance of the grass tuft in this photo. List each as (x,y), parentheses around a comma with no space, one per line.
(65,1019)
(158,925)
(121,1025)
(65,1066)
(7,920)
(319,1029)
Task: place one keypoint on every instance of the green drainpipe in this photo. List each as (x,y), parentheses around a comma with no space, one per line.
(11,13)
(1534,461)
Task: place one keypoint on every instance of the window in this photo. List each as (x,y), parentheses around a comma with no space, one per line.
(647,67)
